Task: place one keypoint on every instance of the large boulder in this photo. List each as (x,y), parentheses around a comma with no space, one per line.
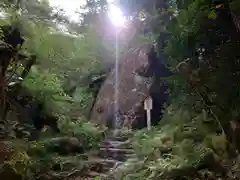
(139,77)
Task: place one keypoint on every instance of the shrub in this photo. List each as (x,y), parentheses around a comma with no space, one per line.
(175,148)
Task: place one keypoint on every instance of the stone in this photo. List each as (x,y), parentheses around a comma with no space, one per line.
(139,77)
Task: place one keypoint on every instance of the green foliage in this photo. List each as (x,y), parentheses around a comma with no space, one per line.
(212,15)
(76,54)
(89,134)
(184,140)
(62,52)
(171,150)
(20,163)
(47,88)
(83,100)
(44,155)
(189,31)
(183,30)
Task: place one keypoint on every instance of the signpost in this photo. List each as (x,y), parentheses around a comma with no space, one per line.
(148,108)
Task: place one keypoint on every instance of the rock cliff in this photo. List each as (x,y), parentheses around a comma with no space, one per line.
(139,77)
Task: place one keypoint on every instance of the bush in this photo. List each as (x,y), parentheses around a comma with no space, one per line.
(50,155)
(85,131)
(56,156)
(47,88)
(176,148)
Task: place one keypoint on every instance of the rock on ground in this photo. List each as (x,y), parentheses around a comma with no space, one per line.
(138,78)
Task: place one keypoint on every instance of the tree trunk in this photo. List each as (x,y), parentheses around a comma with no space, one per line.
(28,66)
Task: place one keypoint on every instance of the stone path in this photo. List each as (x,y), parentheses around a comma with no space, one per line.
(113,152)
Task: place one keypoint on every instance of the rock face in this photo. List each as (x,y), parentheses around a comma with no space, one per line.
(139,77)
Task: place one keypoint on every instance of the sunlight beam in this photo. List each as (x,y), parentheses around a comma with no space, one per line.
(116,16)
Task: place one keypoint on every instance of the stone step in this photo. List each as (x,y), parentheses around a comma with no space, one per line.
(103,160)
(115,143)
(109,148)
(113,161)
(120,157)
(118,146)
(93,174)
(127,151)
(117,138)
(114,151)
(130,155)
(102,165)
(107,162)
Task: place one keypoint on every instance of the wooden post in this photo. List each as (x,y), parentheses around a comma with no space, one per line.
(148,108)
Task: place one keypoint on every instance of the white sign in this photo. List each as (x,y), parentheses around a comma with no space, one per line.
(148,103)
(148,108)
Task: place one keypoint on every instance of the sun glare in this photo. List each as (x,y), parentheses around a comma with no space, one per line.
(114,12)
(116,16)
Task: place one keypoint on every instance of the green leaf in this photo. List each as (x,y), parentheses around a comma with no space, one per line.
(212,15)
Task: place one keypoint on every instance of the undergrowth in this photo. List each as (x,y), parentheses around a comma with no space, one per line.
(183,146)
(54,155)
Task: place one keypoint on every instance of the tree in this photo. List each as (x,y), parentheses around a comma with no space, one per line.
(201,42)
(59,53)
